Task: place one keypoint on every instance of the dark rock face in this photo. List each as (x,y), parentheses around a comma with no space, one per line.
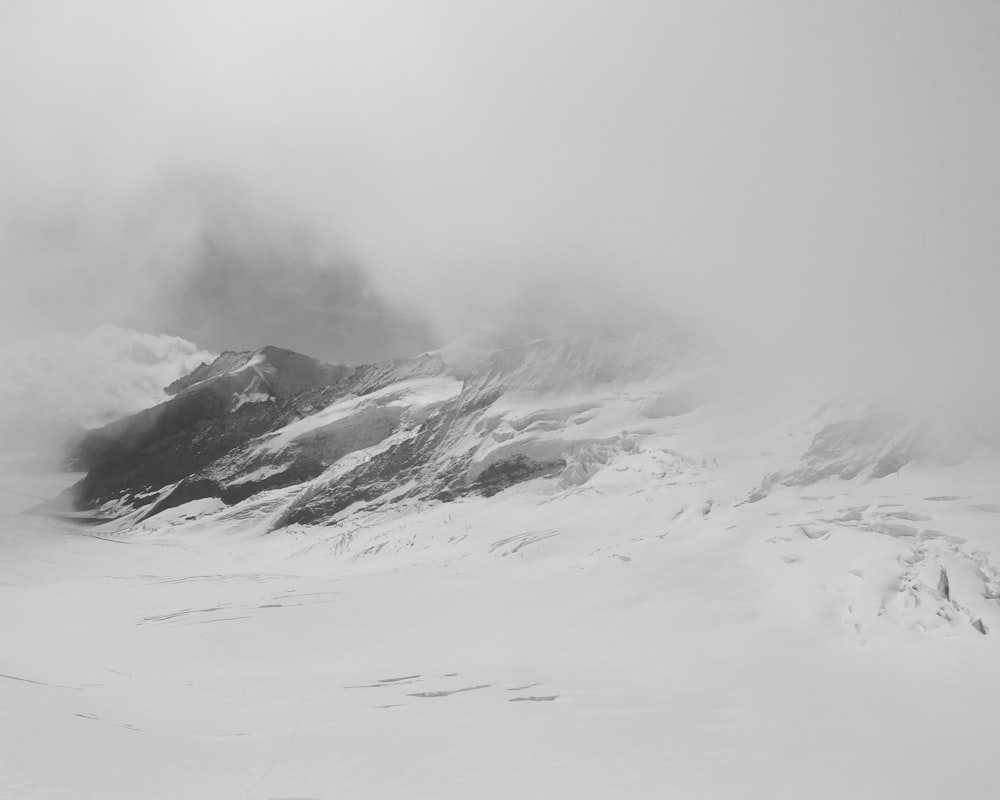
(210,393)
(200,487)
(215,409)
(279,372)
(228,432)
(416,460)
(167,444)
(431,464)
(516,469)
(227,362)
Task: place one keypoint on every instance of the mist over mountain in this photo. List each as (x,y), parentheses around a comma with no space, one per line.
(242,290)
(815,184)
(525,399)
(620,537)
(56,386)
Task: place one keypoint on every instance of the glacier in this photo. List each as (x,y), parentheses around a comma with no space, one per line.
(583,567)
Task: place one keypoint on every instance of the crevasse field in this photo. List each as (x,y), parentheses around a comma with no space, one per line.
(638,630)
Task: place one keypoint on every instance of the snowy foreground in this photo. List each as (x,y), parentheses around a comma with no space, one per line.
(640,632)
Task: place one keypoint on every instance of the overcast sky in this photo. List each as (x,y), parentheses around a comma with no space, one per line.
(816,180)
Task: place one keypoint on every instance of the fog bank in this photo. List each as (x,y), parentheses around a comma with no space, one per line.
(810,184)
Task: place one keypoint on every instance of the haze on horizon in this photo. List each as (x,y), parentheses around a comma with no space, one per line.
(812,182)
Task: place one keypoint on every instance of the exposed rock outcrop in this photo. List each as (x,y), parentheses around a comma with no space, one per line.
(258,421)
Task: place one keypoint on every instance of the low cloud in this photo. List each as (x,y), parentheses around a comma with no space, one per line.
(807,185)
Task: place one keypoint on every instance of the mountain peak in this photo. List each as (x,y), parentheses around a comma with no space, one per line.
(284,371)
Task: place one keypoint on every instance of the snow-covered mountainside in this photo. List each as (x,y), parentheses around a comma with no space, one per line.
(272,440)
(61,383)
(415,428)
(590,567)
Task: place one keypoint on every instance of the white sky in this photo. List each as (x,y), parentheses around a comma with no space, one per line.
(810,179)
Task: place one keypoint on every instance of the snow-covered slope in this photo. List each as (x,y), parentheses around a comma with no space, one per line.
(588,421)
(280,416)
(577,568)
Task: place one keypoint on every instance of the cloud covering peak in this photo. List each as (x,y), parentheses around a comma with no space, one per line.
(805,182)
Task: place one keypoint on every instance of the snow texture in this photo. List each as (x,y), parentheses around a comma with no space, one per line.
(639,622)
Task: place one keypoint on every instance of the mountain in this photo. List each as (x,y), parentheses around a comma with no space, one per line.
(254,421)
(273,440)
(462,420)
(588,566)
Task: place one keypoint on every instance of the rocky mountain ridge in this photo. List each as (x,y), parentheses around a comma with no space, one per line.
(254,421)
(307,443)
(597,446)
